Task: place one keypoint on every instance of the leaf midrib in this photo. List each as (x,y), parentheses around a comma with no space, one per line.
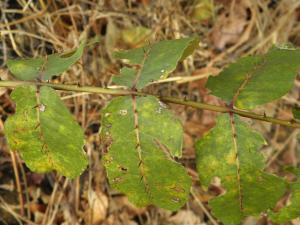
(140,69)
(141,165)
(235,146)
(45,147)
(248,78)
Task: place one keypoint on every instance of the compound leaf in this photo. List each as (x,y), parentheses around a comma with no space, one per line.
(45,133)
(46,67)
(256,80)
(155,61)
(144,137)
(229,152)
(291,211)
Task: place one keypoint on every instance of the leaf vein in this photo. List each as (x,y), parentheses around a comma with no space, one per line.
(235,145)
(138,146)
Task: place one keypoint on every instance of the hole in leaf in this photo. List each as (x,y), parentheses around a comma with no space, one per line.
(122,168)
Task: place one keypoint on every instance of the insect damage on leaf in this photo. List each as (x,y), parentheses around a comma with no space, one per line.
(240,171)
(138,128)
(292,210)
(44,68)
(44,132)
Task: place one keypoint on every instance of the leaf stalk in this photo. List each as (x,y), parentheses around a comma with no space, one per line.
(197,105)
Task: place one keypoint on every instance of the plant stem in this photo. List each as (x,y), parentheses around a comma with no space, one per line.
(68,87)
(204,106)
(198,105)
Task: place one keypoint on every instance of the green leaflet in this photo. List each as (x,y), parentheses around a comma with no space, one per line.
(25,69)
(139,160)
(58,63)
(229,152)
(127,75)
(296,113)
(156,61)
(256,80)
(292,211)
(45,133)
(44,68)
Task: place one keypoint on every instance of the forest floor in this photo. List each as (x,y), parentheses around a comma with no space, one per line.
(228,30)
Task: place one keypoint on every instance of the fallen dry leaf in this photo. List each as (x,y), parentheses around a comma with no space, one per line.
(229,25)
(185,217)
(98,203)
(3,76)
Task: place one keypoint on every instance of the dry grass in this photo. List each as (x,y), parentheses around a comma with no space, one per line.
(39,27)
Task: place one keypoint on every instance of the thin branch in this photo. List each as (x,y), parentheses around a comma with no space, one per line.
(18,183)
(206,212)
(204,106)
(198,105)
(68,87)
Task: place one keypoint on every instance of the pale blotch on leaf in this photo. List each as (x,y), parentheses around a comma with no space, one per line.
(161,104)
(177,200)
(159,110)
(117,179)
(123,112)
(42,107)
(107,114)
(231,158)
